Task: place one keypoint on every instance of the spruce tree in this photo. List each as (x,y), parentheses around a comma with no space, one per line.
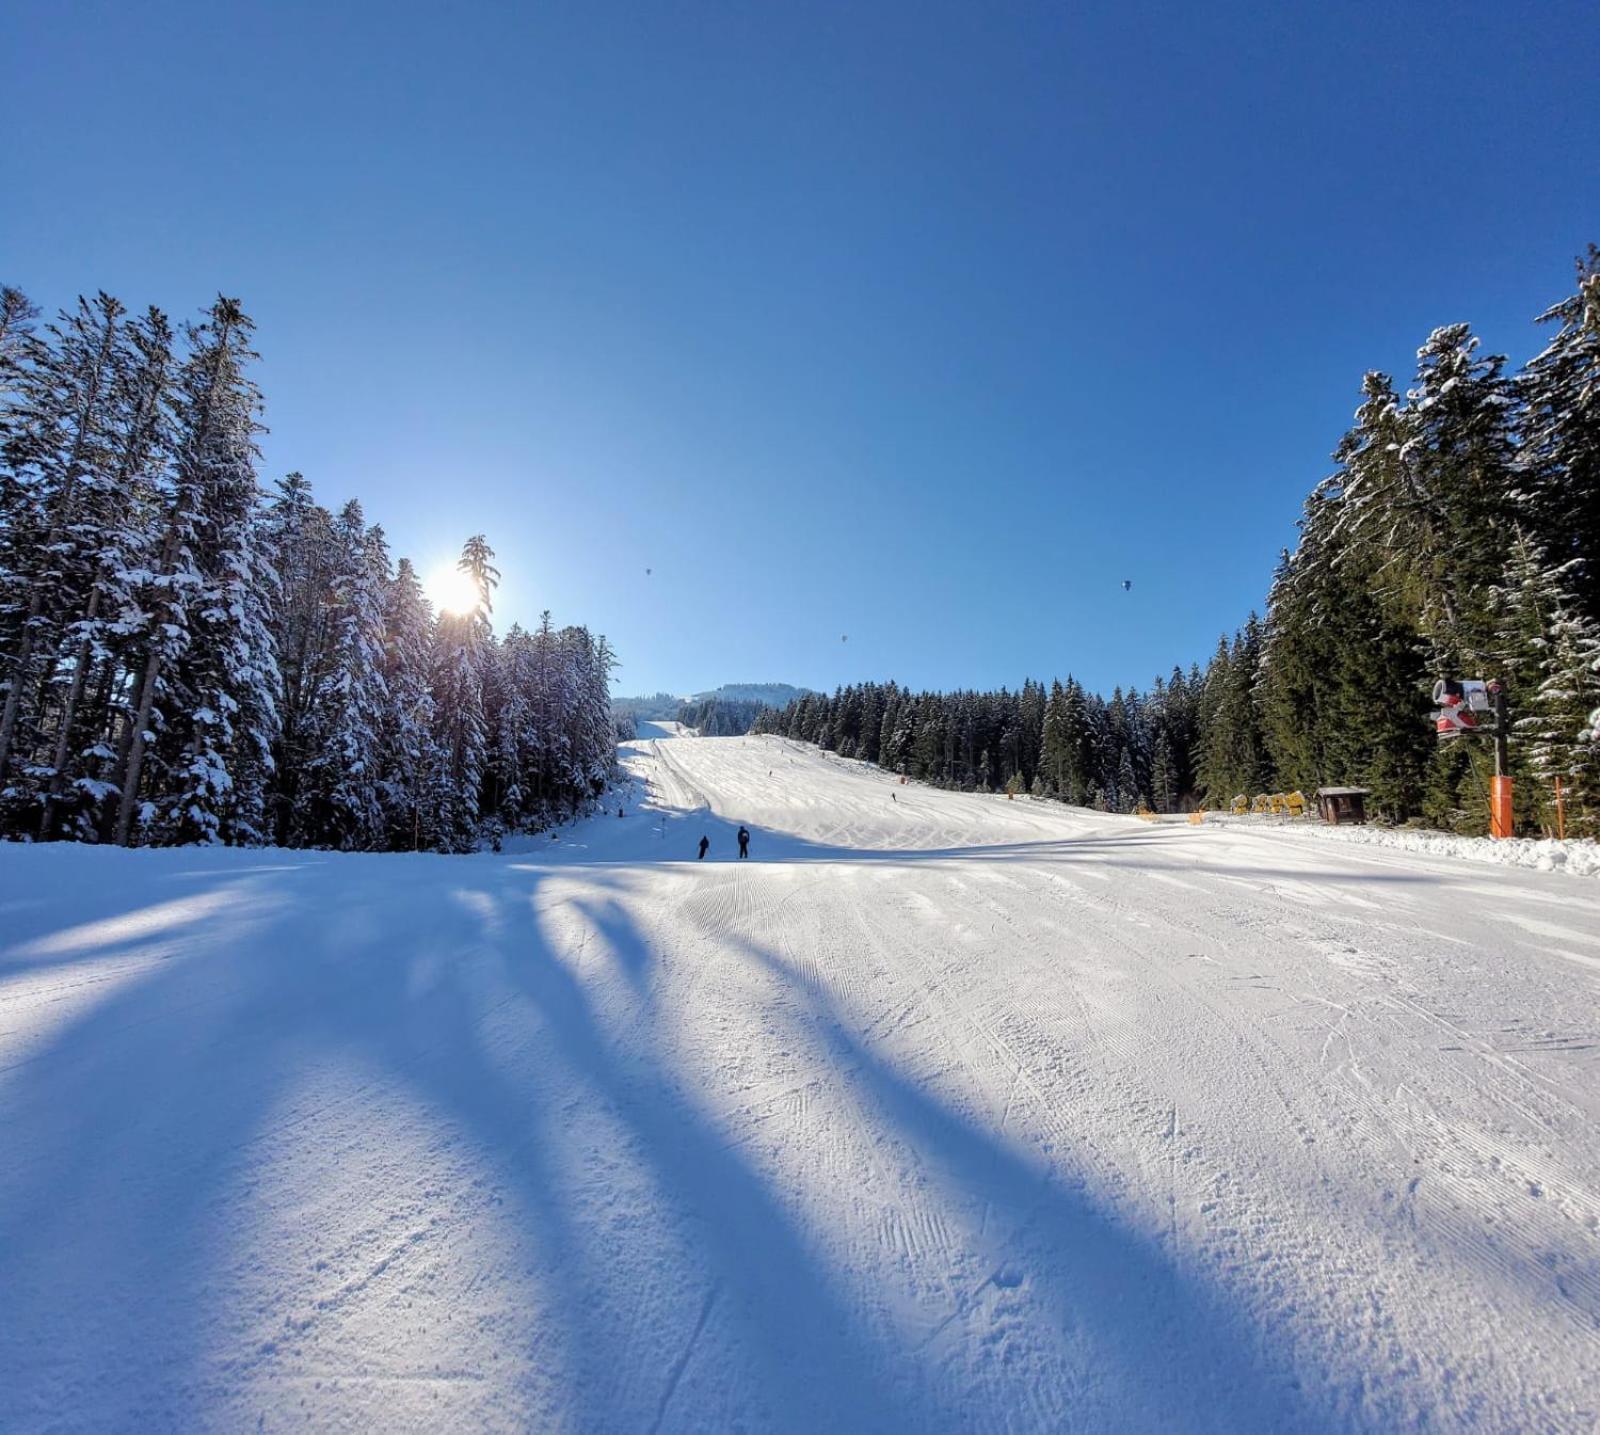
(122,505)
(409,755)
(461,660)
(338,798)
(60,438)
(1562,727)
(1459,458)
(1560,457)
(224,683)
(1164,775)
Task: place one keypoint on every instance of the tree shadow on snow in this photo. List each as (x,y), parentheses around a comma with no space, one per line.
(130,1249)
(1172,1351)
(126,1244)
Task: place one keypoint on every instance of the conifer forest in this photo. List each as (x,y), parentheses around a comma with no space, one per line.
(1458,536)
(184,658)
(189,659)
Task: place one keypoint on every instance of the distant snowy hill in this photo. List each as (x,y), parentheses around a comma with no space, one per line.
(666,706)
(732,710)
(775,695)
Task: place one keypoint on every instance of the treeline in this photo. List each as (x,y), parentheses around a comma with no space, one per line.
(720,717)
(655,707)
(1064,742)
(184,661)
(1458,536)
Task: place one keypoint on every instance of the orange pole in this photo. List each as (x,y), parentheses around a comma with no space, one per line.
(1500,822)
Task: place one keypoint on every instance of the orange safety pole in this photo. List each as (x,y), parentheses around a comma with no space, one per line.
(1501,821)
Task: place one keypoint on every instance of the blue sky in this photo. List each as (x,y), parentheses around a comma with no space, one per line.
(924,324)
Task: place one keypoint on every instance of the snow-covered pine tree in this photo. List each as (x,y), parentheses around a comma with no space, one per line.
(1548,651)
(225,682)
(17,318)
(1234,749)
(144,596)
(1140,738)
(871,721)
(461,658)
(1077,745)
(544,705)
(300,540)
(1128,794)
(1343,685)
(1560,455)
(516,742)
(600,757)
(1216,739)
(121,512)
(574,773)
(1459,458)
(1164,775)
(338,801)
(1374,508)
(1563,725)
(895,733)
(410,759)
(1183,728)
(1030,728)
(1052,740)
(59,439)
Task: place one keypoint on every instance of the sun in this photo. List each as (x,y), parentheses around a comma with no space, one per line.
(452,591)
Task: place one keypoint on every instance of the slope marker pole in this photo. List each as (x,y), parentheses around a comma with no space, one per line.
(1501,820)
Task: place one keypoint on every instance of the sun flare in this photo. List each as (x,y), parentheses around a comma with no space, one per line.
(452,591)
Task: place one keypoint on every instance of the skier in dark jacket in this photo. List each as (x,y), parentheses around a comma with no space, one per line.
(705,842)
(744,841)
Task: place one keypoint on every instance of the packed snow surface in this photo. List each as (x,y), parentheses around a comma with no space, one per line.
(941,1113)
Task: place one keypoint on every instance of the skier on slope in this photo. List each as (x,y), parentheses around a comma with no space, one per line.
(705,842)
(744,841)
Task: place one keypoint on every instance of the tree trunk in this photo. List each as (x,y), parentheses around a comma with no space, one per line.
(135,759)
(80,674)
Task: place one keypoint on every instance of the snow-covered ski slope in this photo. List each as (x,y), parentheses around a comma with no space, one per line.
(941,1113)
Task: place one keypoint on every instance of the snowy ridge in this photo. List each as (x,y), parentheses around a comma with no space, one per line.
(941,1113)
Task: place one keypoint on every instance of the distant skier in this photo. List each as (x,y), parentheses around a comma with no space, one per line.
(705,842)
(744,842)
(619,812)
(894,799)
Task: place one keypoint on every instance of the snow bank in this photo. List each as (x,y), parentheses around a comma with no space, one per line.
(1578,857)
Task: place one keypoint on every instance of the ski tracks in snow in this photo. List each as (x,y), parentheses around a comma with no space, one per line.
(940,1113)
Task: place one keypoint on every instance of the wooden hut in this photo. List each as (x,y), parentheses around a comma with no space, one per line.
(1342,804)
